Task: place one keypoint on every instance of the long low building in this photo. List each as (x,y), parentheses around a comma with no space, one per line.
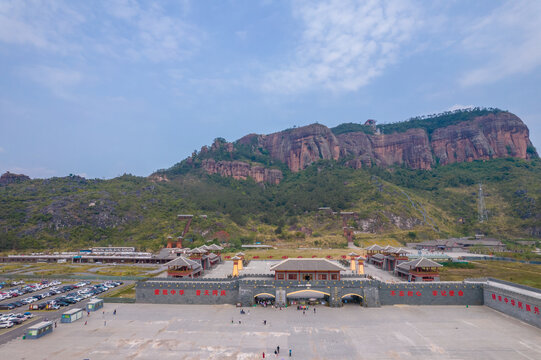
(459,244)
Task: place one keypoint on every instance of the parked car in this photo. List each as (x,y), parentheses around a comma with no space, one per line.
(6,324)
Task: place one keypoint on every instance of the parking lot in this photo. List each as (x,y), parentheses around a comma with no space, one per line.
(147,331)
(56,299)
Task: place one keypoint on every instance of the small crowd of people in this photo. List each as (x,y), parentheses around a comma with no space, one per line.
(277,352)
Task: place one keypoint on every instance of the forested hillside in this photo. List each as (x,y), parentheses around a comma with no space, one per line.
(396,203)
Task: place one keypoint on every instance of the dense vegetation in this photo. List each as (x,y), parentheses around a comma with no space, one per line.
(428,122)
(402,204)
(435,121)
(352,127)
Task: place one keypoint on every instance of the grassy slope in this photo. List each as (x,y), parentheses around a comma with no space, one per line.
(525,274)
(133,211)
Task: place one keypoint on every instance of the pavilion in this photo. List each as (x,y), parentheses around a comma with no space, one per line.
(183,267)
(419,270)
(307,270)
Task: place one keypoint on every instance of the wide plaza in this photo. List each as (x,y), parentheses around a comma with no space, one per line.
(151,331)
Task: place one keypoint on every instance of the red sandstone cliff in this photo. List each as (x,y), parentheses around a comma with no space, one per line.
(241,171)
(411,148)
(495,135)
(490,136)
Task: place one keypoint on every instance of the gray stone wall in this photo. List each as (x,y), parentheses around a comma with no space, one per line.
(185,292)
(520,304)
(433,293)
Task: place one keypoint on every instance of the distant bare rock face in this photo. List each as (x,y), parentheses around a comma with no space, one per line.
(157,177)
(300,147)
(241,171)
(10,178)
(486,137)
(411,148)
(495,135)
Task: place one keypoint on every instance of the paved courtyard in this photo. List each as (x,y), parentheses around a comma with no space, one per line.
(144,331)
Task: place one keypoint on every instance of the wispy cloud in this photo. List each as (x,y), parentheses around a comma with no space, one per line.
(122,28)
(2,150)
(506,41)
(344,44)
(59,81)
(153,34)
(460,107)
(45,25)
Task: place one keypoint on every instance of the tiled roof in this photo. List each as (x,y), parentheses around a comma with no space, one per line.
(421,262)
(378,256)
(182,261)
(374,247)
(306,265)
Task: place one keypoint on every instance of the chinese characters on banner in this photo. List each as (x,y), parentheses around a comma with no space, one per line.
(434,293)
(518,304)
(197,292)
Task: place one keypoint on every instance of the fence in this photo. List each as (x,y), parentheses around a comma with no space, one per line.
(115,300)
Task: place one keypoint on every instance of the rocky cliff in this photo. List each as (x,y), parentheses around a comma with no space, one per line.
(10,178)
(241,171)
(486,137)
(419,146)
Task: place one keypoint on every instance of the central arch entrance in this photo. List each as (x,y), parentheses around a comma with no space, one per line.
(305,297)
(264,299)
(352,299)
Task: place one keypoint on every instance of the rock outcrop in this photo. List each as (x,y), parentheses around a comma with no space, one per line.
(300,147)
(495,135)
(10,178)
(411,148)
(486,137)
(241,171)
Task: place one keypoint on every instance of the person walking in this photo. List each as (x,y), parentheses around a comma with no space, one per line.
(263,354)
(289,352)
(275,353)
(86,322)
(278,349)
(114,312)
(105,323)
(264,322)
(55,324)
(314,310)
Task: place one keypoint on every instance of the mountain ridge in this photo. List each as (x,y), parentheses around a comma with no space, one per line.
(419,143)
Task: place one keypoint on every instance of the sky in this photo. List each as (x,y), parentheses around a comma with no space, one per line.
(103,88)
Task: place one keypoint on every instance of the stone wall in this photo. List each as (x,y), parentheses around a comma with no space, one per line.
(522,302)
(518,301)
(434,293)
(187,292)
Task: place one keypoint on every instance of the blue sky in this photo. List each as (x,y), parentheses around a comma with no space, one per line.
(106,88)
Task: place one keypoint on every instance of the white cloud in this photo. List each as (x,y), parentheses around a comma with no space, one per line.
(506,41)
(460,107)
(124,28)
(42,24)
(344,44)
(59,81)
